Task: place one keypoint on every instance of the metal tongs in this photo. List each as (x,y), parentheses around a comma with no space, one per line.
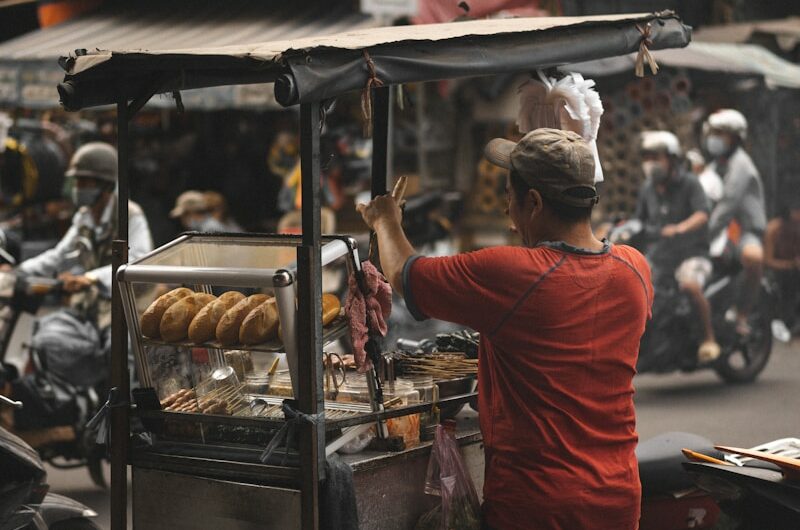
(398,192)
(373,382)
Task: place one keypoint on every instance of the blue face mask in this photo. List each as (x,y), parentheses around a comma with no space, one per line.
(716,145)
(85,196)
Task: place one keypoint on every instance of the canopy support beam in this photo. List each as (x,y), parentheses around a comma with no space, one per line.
(120,376)
(309,329)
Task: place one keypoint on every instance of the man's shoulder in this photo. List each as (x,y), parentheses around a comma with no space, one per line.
(744,164)
(630,257)
(502,260)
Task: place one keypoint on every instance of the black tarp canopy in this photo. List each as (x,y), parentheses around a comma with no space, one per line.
(317,68)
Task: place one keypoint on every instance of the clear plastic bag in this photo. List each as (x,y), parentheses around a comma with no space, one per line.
(448,477)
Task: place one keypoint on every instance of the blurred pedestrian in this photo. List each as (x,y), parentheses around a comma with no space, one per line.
(191,209)
(218,208)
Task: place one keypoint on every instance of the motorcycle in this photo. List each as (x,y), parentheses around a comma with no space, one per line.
(756,488)
(54,420)
(674,333)
(670,498)
(25,502)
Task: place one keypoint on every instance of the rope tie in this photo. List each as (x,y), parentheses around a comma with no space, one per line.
(644,51)
(287,431)
(101,421)
(366,96)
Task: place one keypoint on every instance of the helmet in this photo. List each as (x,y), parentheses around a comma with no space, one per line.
(96,160)
(662,142)
(188,202)
(728,120)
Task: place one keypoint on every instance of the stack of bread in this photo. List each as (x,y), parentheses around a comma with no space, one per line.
(231,319)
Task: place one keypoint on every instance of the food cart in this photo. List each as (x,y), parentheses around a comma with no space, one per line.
(197,468)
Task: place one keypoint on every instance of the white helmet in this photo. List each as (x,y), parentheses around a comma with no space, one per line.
(661,141)
(728,120)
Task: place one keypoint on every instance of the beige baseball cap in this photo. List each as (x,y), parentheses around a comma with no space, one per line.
(559,164)
(189,201)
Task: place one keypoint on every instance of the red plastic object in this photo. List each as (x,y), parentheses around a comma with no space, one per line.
(668,513)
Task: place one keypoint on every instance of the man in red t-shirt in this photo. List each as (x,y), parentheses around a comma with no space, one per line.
(560,320)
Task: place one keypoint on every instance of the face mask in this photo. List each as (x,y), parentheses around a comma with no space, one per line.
(85,197)
(655,171)
(716,145)
(196,225)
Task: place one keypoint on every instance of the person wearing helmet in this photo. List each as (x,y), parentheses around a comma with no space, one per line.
(742,200)
(218,208)
(193,212)
(674,209)
(83,256)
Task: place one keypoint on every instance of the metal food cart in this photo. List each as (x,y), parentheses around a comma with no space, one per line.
(220,484)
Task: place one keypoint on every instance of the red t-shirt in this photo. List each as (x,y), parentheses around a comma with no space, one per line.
(560,330)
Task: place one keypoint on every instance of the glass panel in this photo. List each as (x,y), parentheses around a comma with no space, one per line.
(228,252)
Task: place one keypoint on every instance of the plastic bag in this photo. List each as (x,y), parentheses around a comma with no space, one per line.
(448,477)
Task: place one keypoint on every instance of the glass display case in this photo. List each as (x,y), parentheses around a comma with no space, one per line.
(210,277)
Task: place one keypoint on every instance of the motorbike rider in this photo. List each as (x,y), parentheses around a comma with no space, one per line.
(674,210)
(93,170)
(82,261)
(742,201)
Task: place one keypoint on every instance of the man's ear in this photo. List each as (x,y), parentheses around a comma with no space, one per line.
(534,200)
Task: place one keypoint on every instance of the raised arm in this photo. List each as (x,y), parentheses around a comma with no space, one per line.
(383,215)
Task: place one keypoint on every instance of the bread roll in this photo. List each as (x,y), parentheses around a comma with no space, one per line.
(331,307)
(175,322)
(228,326)
(204,326)
(151,318)
(261,324)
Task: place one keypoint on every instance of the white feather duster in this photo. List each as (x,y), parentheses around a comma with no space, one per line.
(571,103)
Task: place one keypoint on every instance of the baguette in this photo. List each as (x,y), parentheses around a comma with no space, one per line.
(150,321)
(228,327)
(261,324)
(204,326)
(175,322)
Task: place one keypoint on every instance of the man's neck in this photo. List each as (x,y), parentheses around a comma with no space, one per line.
(578,235)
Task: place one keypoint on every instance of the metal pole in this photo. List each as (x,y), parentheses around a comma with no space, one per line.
(309,329)
(381,106)
(120,378)
(381,98)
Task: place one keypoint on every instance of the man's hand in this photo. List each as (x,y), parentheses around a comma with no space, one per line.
(670,231)
(73,284)
(383,209)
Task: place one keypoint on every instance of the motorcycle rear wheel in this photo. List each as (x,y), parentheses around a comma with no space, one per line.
(743,361)
(74,524)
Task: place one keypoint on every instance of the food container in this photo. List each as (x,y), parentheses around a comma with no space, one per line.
(241,361)
(428,393)
(257,382)
(399,393)
(454,387)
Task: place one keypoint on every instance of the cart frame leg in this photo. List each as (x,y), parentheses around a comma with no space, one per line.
(309,328)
